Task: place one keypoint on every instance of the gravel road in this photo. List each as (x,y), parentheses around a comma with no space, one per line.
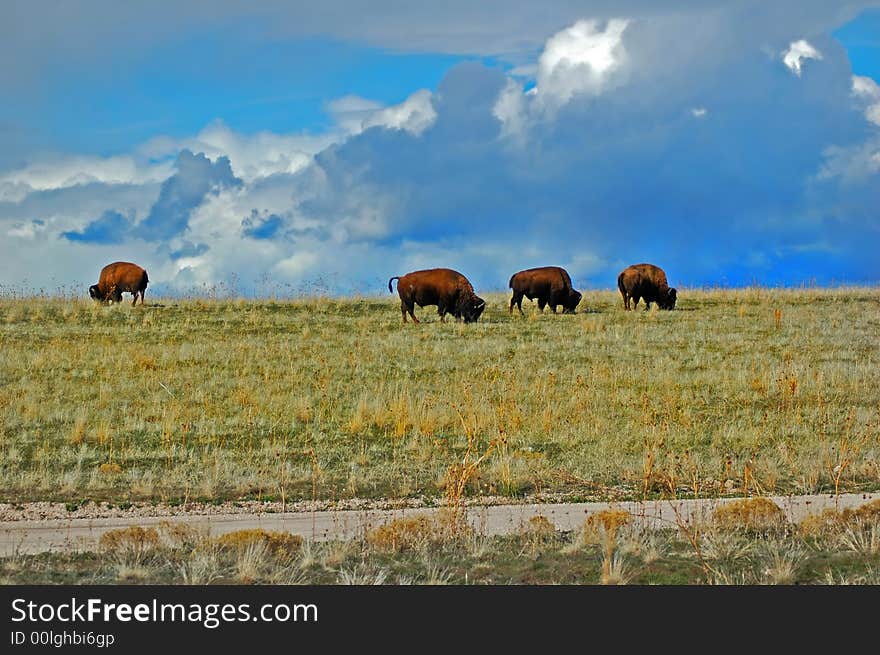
(36,527)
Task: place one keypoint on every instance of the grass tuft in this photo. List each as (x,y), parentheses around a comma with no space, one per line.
(274,543)
(750,515)
(402,534)
(134,538)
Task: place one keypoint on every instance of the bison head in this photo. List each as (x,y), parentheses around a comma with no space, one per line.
(95,292)
(571,303)
(668,301)
(470,308)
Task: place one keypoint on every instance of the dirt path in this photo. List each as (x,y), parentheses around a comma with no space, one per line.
(34,536)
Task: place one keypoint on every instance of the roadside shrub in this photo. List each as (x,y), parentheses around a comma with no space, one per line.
(135,540)
(182,535)
(403,534)
(750,514)
(278,544)
(868,511)
(833,522)
(829,521)
(539,526)
(538,532)
(604,525)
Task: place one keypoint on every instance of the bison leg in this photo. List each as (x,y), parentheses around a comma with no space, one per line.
(407,307)
(625,300)
(542,304)
(134,298)
(516,299)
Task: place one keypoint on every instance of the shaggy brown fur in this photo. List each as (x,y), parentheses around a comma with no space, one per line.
(448,289)
(118,278)
(551,285)
(645,281)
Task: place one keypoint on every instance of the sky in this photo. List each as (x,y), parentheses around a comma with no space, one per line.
(275,147)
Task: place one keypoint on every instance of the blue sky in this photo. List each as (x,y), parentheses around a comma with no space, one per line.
(861,37)
(728,142)
(250,84)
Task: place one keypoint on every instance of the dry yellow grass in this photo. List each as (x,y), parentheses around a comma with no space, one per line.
(403,534)
(831,521)
(133,539)
(539,526)
(279,544)
(752,514)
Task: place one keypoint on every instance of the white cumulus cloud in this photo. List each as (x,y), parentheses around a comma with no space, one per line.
(797,52)
(868,91)
(415,114)
(510,109)
(252,155)
(27,230)
(354,114)
(582,59)
(350,112)
(71,170)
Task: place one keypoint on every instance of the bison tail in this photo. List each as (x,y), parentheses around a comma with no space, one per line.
(396,277)
(510,284)
(620,282)
(146,279)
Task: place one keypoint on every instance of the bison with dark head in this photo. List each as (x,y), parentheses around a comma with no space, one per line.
(648,282)
(551,285)
(448,289)
(118,278)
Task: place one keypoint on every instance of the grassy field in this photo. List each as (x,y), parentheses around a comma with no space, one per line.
(738,391)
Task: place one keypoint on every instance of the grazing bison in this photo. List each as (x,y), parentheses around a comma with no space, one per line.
(551,285)
(117,278)
(448,289)
(645,281)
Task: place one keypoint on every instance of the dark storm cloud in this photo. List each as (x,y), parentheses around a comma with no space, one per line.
(195,178)
(707,155)
(728,196)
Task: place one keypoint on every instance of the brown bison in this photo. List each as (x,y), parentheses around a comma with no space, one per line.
(645,281)
(117,278)
(448,289)
(551,285)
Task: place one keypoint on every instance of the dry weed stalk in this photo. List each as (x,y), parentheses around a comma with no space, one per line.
(691,533)
(603,527)
(460,473)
